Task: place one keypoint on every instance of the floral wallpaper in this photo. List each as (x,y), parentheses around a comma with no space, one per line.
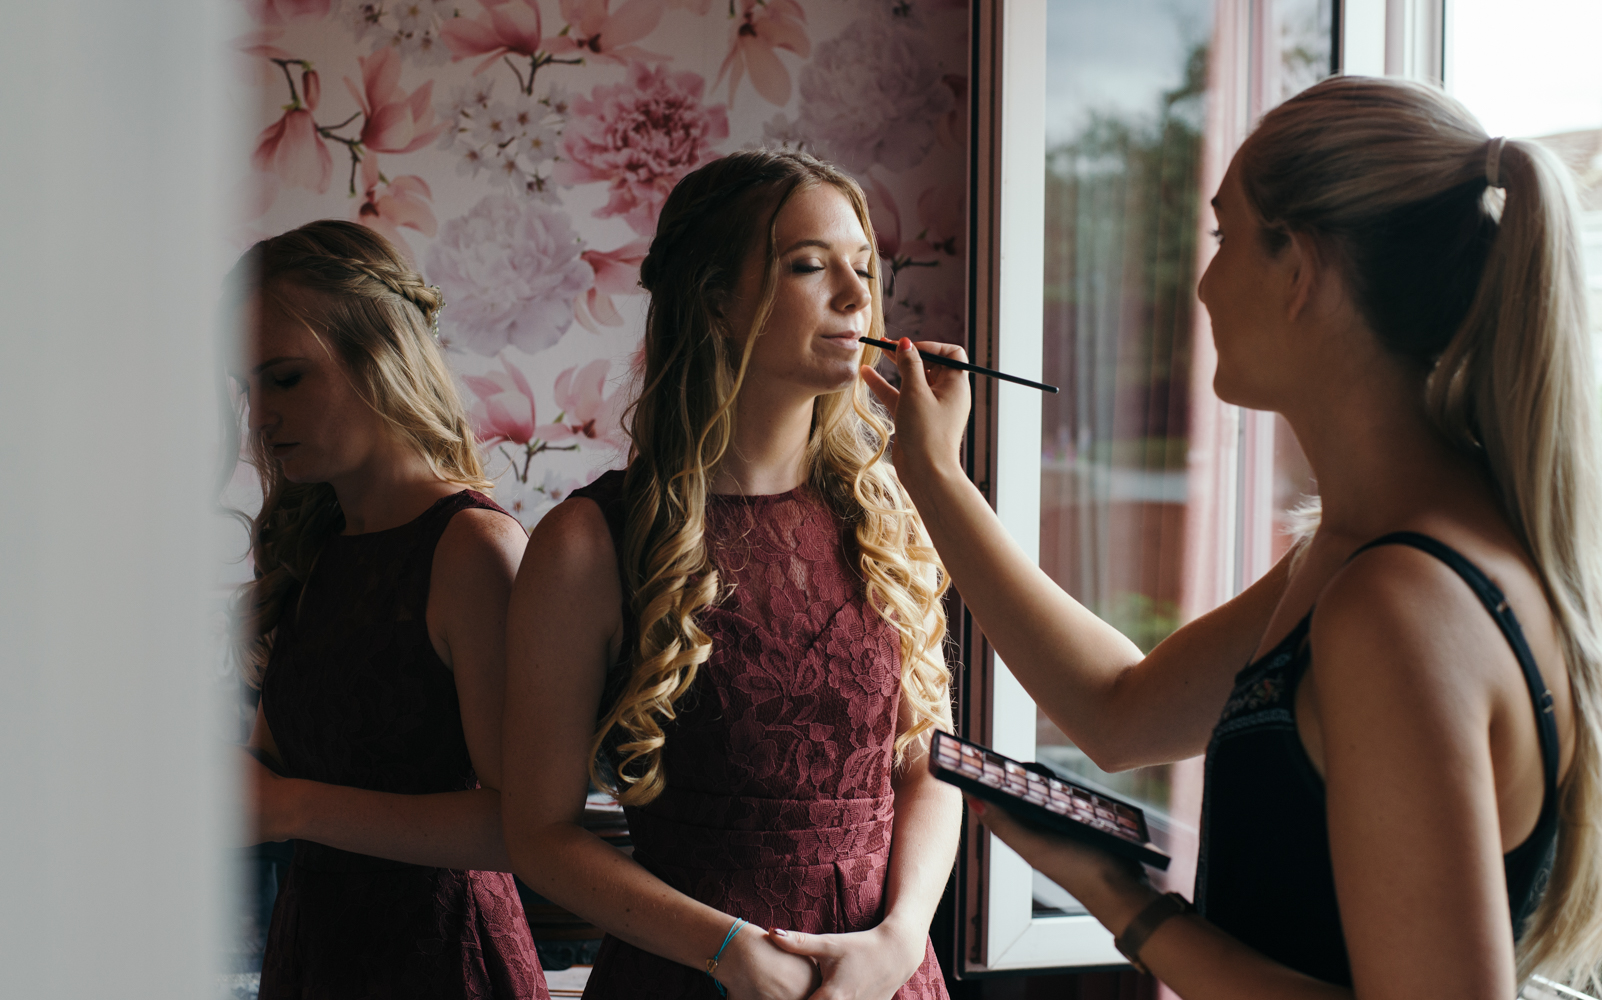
(520,150)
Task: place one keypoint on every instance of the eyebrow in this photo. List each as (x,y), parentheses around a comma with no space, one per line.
(823,244)
(1213,202)
(274,361)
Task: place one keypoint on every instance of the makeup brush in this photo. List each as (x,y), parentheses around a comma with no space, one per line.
(961,366)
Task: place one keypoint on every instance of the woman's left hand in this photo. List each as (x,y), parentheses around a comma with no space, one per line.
(1112,889)
(865,965)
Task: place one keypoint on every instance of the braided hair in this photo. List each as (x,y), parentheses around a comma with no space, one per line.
(359,297)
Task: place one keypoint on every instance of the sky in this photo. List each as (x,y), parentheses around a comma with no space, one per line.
(1527,67)
(1116,55)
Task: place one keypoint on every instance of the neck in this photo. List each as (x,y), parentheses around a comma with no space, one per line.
(394,486)
(1379,462)
(768,453)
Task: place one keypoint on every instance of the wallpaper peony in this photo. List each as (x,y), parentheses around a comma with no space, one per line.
(520,150)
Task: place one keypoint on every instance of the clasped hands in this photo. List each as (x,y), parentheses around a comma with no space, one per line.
(791,965)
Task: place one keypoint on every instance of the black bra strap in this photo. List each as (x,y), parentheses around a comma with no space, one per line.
(1491,596)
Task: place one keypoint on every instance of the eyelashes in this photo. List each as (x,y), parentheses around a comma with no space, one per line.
(815,268)
(1216,234)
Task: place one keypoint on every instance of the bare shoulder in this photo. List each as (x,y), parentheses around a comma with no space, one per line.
(479,541)
(1403,625)
(572,545)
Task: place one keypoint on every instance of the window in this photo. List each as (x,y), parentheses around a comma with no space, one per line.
(1107,128)
(1535,75)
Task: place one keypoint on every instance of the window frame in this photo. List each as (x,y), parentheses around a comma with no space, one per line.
(1229,522)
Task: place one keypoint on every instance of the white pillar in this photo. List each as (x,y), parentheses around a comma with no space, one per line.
(115,793)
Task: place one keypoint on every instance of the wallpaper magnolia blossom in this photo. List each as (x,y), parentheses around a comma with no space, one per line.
(520,151)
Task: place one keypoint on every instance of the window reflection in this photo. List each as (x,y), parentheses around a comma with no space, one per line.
(1126,120)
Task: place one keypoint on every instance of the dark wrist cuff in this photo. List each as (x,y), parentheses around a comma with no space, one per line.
(1146,922)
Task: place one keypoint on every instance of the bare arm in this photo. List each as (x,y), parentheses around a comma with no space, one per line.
(474,565)
(564,628)
(1121,709)
(1409,672)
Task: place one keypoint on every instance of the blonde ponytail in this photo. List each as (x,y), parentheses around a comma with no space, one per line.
(1396,176)
(1518,382)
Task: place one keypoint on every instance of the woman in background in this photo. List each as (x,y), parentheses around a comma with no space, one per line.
(1412,751)
(743,630)
(375,628)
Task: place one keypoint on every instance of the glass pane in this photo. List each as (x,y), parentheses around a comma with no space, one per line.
(1537,76)
(1127,86)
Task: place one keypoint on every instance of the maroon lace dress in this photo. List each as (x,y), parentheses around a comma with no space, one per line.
(355,695)
(778,805)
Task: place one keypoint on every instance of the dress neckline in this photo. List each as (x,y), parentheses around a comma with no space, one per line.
(409,524)
(750,498)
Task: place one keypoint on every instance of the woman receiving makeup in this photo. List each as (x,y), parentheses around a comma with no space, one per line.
(375,629)
(742,633)
(1401,719)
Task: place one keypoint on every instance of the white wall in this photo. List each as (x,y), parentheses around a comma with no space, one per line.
(114,788)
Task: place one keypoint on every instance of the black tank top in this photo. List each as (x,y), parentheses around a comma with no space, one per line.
(1264,874)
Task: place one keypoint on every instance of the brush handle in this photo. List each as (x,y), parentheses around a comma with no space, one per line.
(961,366)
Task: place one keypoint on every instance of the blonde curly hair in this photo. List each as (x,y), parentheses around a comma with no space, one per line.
(681,426)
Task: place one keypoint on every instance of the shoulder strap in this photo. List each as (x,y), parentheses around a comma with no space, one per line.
(1495,602)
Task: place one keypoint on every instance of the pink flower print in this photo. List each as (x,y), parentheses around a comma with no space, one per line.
(394,121)
(617,272)
(260,43)
(944,211)
(507,27)
(952,130)
(585,412)
(693,6)
(604,36)
(279,11)
(505,410)
(762,27)
(885,215)
(640,137)
(401,202)
(292,148)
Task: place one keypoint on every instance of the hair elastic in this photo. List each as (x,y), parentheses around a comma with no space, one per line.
(1493,161)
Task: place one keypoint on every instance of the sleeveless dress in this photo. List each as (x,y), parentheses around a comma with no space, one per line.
(1265,874)
(355,695)
(778,806)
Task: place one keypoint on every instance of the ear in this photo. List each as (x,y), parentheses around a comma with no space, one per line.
(1306,262)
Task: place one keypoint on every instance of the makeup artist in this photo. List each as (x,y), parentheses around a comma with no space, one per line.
(1411,750)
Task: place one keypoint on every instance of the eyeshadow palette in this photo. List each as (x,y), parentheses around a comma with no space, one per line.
(1050,802)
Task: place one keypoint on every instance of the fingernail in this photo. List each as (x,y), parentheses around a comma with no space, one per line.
(904,344)
(779,932)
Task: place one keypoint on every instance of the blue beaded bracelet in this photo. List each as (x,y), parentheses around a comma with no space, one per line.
(712,963)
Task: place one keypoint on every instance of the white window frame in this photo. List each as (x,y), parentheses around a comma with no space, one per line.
(996,929)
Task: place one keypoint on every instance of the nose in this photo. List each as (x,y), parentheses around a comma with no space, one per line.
(855,293)
(259,417)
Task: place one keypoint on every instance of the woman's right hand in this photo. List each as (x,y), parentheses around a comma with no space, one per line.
(930,409)
(268,805)
(754,968)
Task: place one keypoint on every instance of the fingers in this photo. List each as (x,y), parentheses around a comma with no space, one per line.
(884,390)
(807,945)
